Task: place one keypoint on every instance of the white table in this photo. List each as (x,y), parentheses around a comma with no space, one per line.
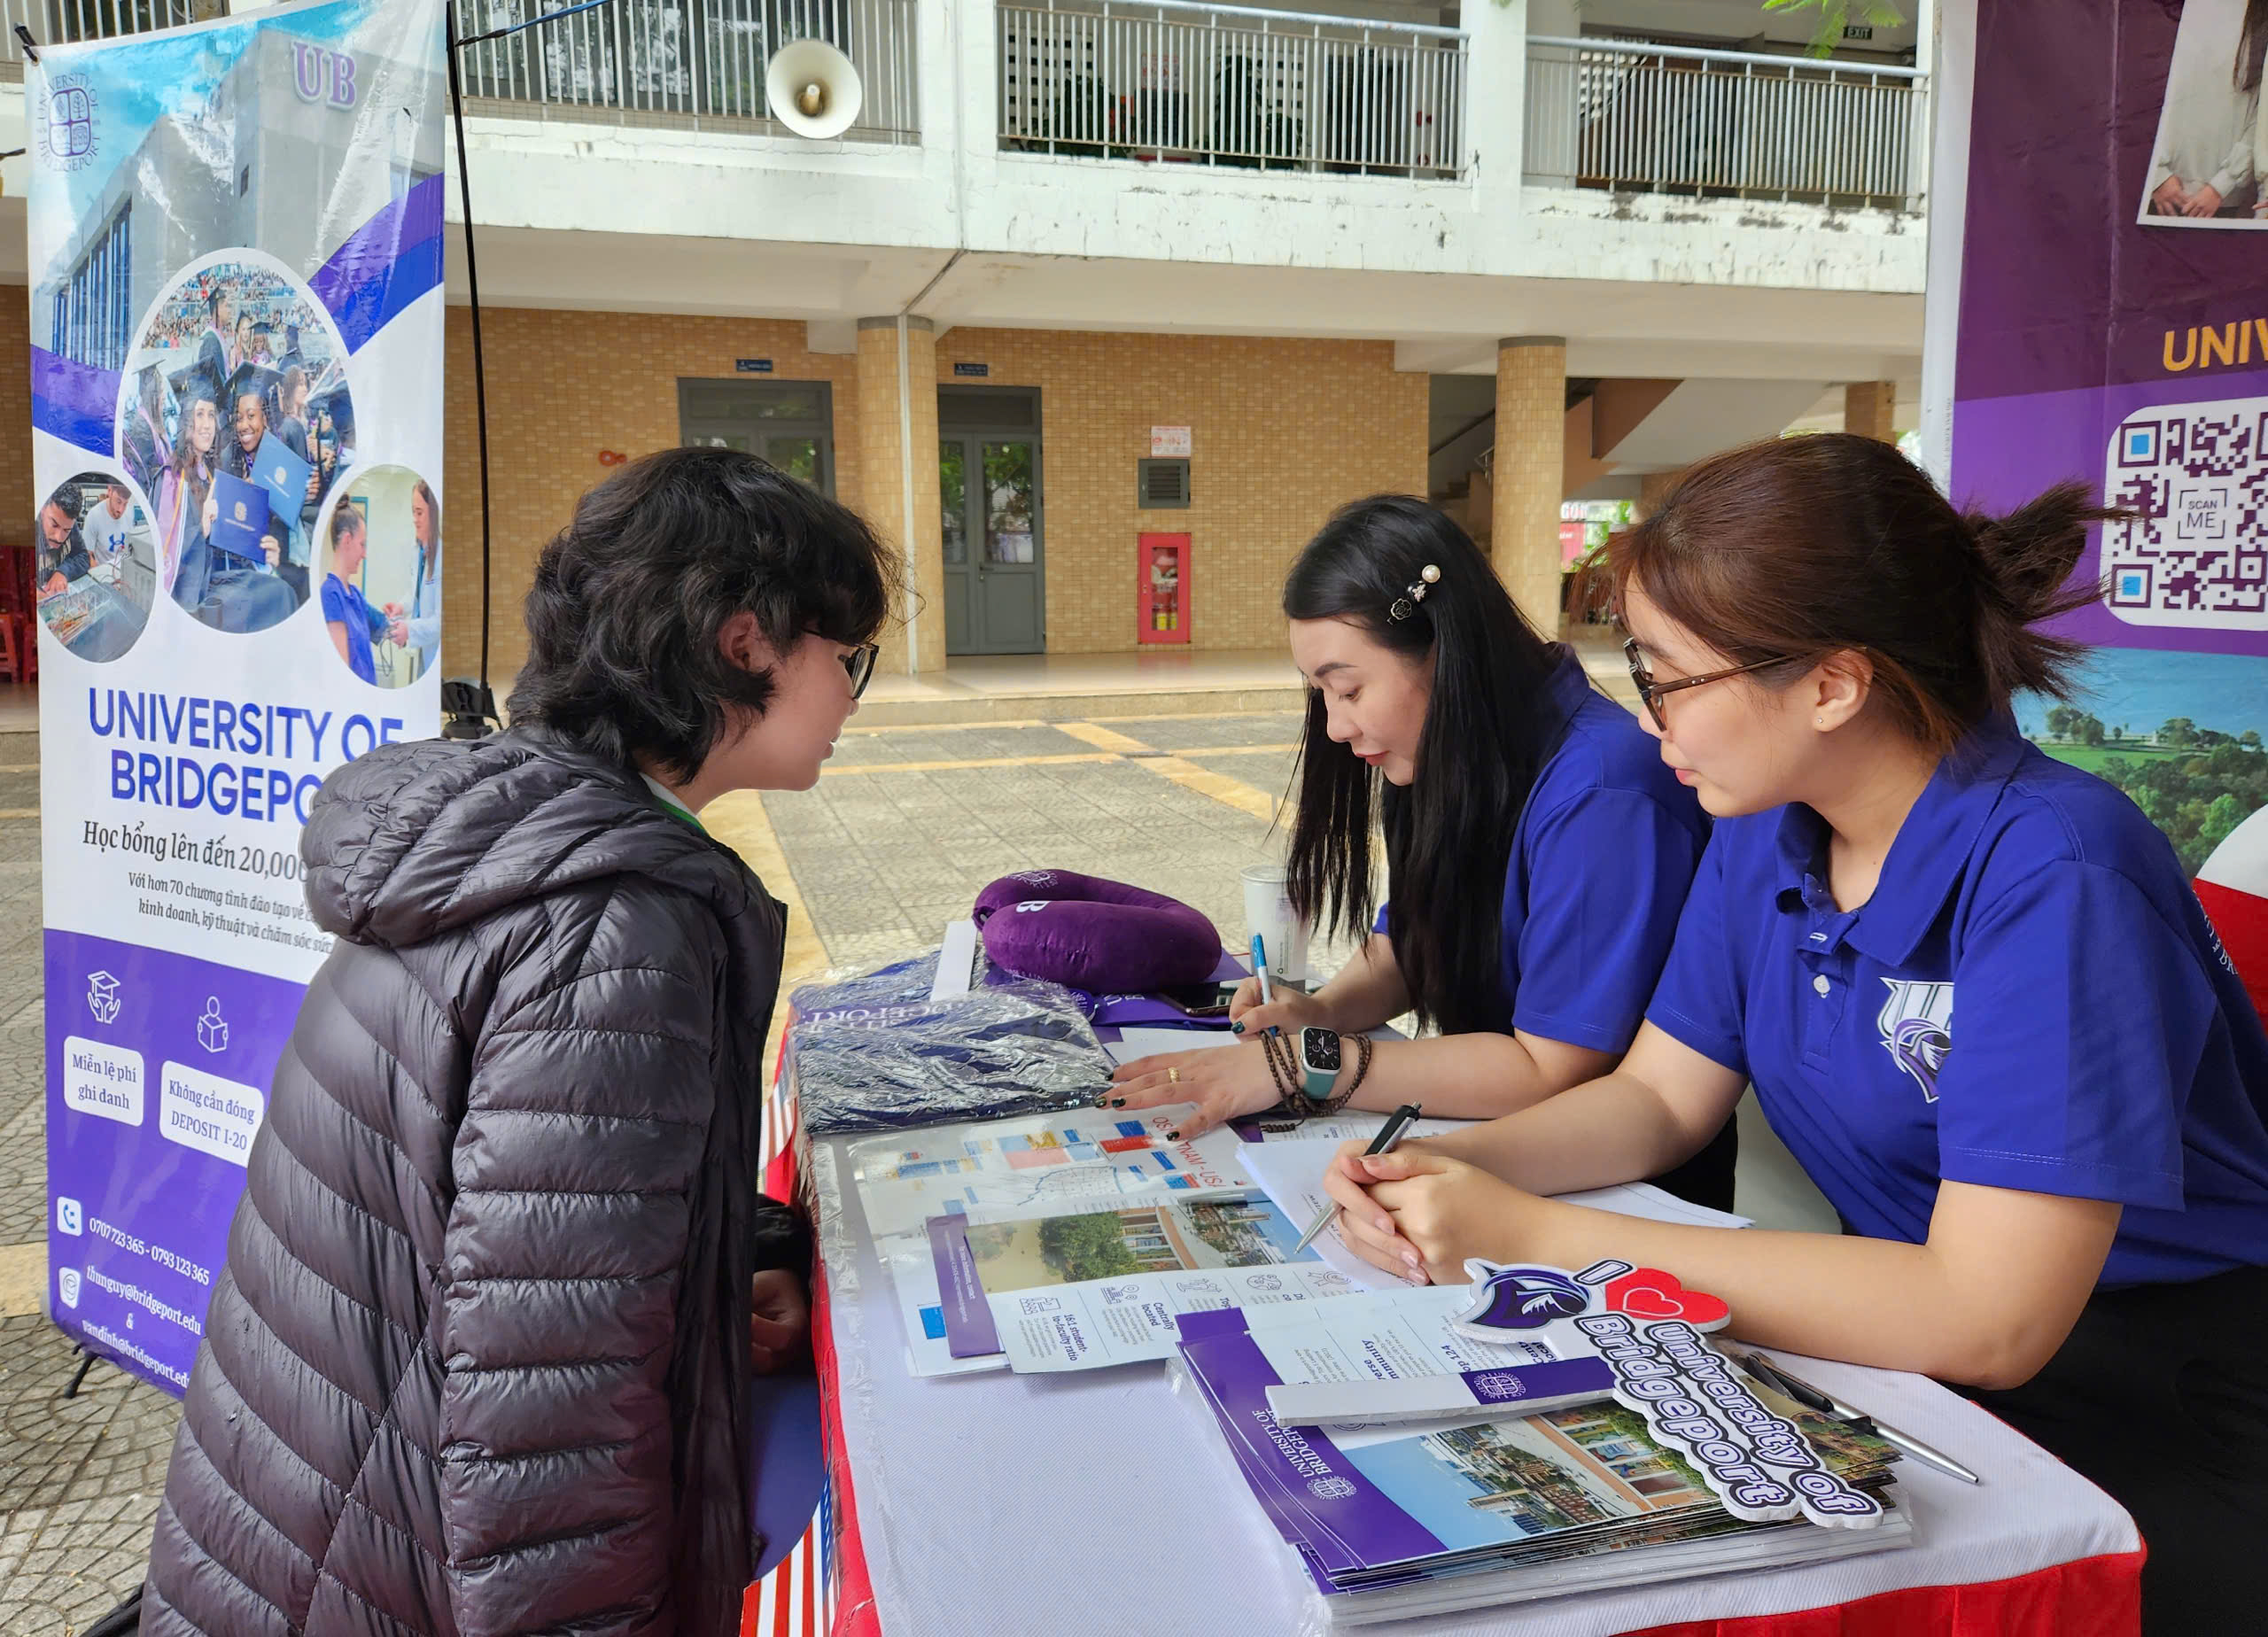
(1104,1503)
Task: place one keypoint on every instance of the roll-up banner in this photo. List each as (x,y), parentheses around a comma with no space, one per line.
(235,251)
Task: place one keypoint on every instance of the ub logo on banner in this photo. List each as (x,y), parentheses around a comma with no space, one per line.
(236,321)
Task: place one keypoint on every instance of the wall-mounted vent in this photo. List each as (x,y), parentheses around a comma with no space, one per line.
(1163,485)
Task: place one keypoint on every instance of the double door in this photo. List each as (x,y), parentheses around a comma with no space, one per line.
(995,544)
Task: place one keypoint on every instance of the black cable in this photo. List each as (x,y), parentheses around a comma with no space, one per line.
(486,704)
(547,17)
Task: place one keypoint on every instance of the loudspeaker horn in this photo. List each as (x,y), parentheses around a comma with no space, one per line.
(812,88)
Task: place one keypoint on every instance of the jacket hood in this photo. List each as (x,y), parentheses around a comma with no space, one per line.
(413,840)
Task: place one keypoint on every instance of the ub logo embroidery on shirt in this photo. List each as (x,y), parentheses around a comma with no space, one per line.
(1916,1025)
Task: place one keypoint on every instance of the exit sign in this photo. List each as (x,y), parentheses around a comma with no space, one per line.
(1858,31)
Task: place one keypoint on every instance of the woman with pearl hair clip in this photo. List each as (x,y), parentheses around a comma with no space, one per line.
(1537,852)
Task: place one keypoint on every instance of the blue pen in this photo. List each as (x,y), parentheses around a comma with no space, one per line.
(1259,971)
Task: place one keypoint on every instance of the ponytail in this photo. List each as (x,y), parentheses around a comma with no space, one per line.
(2025,560)
(1796,548)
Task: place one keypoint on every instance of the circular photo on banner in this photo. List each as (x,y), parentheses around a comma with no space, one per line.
(235,418)
(381,586)
(94,564)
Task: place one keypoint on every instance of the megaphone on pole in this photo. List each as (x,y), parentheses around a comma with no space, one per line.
(812,88)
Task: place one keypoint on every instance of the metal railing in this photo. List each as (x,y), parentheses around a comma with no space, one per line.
(1228,85)
(58,21)
(686,62)
(1640,118)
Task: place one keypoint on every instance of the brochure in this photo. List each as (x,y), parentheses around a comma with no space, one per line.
(1088,1289)
(1395,1519)
(1009,1168)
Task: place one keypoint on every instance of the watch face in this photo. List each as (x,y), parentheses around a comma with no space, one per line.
(1319,1047)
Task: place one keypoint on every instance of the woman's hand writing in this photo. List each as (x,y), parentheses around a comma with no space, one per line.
(1290,1011)
(1420,1215)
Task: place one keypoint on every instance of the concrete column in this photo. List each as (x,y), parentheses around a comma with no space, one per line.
(898,482)
(1528,469)
(1867,408)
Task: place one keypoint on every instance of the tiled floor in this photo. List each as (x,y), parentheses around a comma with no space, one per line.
(902,830)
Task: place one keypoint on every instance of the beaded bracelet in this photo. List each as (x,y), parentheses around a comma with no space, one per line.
(1364,1047)
(1282,1070)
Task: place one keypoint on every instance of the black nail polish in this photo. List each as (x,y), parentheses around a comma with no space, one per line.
(1236,1029)
(1118,1102)
(1173,1137)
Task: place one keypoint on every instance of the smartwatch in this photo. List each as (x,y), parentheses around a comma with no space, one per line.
(1320,1059)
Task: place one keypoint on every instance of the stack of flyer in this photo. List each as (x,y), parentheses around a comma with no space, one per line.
(1395,1519)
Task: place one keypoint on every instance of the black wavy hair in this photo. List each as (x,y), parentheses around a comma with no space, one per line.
(1490,725)
(631,596)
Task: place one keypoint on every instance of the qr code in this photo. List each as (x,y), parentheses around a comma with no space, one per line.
(2196,477)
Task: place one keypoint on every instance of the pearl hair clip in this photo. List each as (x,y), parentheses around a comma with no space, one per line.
(1406,605)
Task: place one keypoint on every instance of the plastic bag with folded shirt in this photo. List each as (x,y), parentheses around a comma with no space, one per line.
(875,1053)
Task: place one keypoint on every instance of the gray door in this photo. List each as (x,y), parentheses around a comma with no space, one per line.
(989,495)
(791,424)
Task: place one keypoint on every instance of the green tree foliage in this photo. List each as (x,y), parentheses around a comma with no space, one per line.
(1834,14)
(1086,1247)
(2198,795)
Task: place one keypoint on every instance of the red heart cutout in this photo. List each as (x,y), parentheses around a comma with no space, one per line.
(1650,1293)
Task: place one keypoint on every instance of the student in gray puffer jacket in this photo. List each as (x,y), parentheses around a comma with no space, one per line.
(501,1274)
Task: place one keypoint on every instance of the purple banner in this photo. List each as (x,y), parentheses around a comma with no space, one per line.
(158,1067)
(2114,328)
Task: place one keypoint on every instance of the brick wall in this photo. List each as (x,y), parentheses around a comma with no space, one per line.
(16,415)
(1281,432)
(562,387)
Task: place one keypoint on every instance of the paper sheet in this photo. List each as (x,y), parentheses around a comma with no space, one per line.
(1292,1170)
(1135,1044)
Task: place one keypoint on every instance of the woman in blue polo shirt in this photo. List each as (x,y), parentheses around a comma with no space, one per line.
(1537,850)
(1974,992)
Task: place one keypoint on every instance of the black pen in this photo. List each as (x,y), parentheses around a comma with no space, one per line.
(1772,1375)
(1397,1123)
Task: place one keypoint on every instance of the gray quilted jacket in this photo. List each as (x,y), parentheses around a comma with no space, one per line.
(478,1360)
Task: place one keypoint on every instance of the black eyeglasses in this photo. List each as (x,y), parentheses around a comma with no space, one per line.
(859,663)
(1651,691)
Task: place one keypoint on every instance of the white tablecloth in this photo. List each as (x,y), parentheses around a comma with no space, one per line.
(1104,1503)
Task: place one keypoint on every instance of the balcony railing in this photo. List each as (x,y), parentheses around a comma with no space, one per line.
(58,21)
(697,63)
(1167,80)
(1637,118)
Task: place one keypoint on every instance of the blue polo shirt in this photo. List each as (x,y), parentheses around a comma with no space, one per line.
(1601,860)
(2104,1048)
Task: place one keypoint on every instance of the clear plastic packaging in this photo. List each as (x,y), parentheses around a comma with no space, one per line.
(874,1052)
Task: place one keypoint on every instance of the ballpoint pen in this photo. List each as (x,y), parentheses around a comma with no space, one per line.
(1773,1375)
(1397,1123)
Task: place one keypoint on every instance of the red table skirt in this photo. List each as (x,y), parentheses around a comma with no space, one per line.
(2092,1597)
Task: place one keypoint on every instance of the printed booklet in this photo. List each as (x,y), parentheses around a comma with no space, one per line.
(1397,1519)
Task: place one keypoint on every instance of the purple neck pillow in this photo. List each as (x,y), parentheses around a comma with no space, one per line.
(1094,934)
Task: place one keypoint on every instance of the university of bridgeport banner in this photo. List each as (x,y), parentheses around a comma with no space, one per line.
(234,245)
(2114,327)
